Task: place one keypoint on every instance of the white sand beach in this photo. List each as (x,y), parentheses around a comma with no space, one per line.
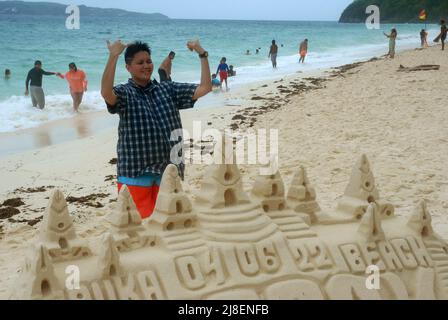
(326,121)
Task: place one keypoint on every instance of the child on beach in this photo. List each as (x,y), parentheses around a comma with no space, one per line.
(392,38)
(215,82)
(149,116)
(77,81)
(303,50)
(223,71)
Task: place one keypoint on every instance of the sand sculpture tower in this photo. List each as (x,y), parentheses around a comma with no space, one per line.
(361,191)
(225,211)
(127,229)
(269,192)
(173,220)
(302,196)
(57,231)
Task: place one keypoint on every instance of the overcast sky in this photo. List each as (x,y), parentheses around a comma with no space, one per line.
(228,9)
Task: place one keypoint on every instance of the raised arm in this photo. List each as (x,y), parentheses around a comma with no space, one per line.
(206,82)
(107,81)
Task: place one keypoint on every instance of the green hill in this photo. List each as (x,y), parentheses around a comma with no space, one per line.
(397,11)
(53,9)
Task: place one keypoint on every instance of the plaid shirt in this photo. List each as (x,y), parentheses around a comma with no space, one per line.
(147,117)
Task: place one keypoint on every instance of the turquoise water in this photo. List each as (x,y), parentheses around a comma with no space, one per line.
(25,39)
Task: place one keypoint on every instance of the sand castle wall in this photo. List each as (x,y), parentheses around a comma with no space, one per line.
(271,243)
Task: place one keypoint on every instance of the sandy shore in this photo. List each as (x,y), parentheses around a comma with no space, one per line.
(325,122)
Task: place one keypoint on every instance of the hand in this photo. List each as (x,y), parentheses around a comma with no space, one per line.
(26,92)
(116,48)
(195,45)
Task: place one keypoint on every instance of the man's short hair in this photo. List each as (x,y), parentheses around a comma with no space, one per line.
(37,63)
(135,48)
(172,53)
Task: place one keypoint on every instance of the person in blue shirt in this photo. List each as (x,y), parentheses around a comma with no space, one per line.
(223,70)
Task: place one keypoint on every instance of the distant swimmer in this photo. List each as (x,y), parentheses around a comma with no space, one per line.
(223,71)
(392,38)
(247,52)
(165,67)
(303,50)
(34,83)
(77,82)
(7,74)
(257,51)
(273,54)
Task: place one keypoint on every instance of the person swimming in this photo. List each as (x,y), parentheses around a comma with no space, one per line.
(7,73)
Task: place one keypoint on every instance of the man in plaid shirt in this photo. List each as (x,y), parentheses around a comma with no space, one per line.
(149,113)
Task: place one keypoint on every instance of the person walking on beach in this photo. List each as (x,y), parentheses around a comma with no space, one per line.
(273,54)
(443,32)
(303,50)
(223,71)
(149,117)
(392,38)
(424,38)
(165,67)
(77,81)
(33,84)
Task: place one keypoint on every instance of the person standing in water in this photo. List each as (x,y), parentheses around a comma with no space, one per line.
(392,38)
(165,67)
(33,84)
(423,38)
(303,50)
(223,71)
(443,32)
(7,74)
(273,54)
(77,82)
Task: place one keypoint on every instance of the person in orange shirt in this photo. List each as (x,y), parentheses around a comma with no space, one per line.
(77,81)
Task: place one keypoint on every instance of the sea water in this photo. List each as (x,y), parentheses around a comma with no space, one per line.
(46,38)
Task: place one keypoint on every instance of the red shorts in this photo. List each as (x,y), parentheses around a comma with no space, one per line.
(144,198)
(223,75)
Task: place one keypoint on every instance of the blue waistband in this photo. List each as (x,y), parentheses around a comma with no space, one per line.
(145,180)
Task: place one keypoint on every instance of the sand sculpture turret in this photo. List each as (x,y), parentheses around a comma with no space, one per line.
(361,191)
(227,243)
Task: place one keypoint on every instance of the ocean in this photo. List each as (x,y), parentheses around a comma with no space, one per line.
(29,38)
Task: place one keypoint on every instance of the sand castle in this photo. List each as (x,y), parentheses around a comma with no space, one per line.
(229,244)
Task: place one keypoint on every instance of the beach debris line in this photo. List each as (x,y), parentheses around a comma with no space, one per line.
(423,67)
(34,190)
(15,203)
(8,212)
(269,243)
(89,200)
